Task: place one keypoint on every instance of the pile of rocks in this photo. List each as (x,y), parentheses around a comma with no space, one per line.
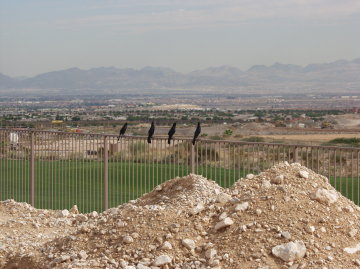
(285,217)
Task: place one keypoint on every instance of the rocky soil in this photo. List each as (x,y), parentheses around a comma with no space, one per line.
(286,217)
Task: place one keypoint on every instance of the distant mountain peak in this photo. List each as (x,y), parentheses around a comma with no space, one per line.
(278,76)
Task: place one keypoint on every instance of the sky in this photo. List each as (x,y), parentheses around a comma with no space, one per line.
(38,36)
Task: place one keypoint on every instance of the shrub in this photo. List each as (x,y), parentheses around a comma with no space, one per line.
(228,132)
(254,139)
(215,137)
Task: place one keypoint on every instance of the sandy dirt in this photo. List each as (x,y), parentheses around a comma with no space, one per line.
(315,138)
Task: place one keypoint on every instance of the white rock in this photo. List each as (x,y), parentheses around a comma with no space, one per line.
(166,245)
(310,229)
(291,251)
(64,258)
(197,209)
(74,210)
(352,250)
(353,232)
(210,253)
(277,180)
(222,216)
(348,209)
(141,266)
(250,176)
(158,188)
(324,196)
(224,223)
(304,174)
(94,214)
(63,213)
(82,255)
(286,235)
(188,243)
(81,218)
(135,235)
(223,198)
(243,228)
(162,260)
(128,239)
(266,184)
(242,207)
(130,267)
(121,223)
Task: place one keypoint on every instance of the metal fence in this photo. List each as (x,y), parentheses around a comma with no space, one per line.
(56,170)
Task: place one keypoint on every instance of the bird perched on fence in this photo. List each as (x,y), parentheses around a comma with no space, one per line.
(197,133)
(122,130)
(172,132)
(151,132)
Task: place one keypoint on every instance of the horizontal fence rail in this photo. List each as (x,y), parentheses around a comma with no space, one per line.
(56,170)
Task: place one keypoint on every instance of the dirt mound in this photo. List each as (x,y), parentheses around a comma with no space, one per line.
(285,217)
(181,193)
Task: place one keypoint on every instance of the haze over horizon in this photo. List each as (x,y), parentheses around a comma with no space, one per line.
(39,36)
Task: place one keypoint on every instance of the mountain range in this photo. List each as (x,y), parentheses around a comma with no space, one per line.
(341,76)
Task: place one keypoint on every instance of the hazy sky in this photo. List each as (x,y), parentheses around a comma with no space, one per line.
(44,35)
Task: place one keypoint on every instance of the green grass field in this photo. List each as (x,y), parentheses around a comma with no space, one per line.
(61,184)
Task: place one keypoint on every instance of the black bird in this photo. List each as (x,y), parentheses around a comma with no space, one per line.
(122,130)
(151,132)
(172,132)
(197,133)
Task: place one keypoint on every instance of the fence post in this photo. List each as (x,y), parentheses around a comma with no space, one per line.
(192,159)
(106,183)
(296,151)
(32,169)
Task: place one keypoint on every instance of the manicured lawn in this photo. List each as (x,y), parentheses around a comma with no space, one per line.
(348,186)
(61,184)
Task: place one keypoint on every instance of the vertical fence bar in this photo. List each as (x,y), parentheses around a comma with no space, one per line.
(106,183)
(352,176)
(295,152)
(357,176)
(32,169)
(192,159)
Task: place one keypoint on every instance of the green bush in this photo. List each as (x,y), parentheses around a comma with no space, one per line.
(254,139)
(228,132)
(215,137)
(352,142)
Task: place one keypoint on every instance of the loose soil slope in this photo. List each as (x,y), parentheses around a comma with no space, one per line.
(191,222)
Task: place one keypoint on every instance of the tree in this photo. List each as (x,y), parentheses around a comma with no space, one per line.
(75,118)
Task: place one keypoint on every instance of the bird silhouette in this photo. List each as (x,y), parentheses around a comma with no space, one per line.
(151,132)
(122,130)
(171,132)
(197,133)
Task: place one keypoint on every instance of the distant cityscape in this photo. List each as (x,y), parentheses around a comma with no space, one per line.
(308,111)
